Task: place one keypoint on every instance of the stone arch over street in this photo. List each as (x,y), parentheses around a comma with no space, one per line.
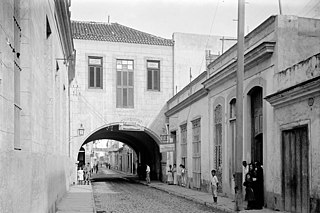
(141,139)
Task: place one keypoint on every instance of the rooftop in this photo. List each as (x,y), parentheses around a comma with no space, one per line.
(114,32)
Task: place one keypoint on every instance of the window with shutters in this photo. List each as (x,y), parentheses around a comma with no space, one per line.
(125,86)
(153,75)
(218,136)
(218,143)
(196,153)
(95,65)
(184,152)
(232,121)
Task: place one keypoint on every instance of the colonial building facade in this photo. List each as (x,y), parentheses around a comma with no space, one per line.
(124,78)
(202,116)
(36,66)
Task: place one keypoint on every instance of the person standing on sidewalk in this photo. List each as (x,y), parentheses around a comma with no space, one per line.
(148,174)
(80,176)
(183,175)
(214,186)
(170,175)
(174,174)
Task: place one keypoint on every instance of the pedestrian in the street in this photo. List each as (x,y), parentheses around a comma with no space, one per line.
(258,188)
(86,172)
(249,195)
(139,171)
(97,166)
(214,186)
(183,175)
(80,176)
(148,174)
(174,174)
(170,175)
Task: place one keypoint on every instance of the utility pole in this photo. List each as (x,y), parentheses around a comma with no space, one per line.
(280,7)
(239,108)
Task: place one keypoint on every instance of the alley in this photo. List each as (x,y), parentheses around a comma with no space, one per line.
(116,193)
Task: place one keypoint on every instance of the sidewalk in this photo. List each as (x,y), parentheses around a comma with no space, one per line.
(78,199)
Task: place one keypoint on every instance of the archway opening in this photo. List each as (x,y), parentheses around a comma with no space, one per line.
(142,141)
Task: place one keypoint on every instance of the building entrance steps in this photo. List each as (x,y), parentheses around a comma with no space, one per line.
(78,199)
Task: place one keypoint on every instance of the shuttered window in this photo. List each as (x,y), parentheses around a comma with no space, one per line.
(153,75)
(95,72)
(184,152)
(125,86)
(196,153)
(218,143)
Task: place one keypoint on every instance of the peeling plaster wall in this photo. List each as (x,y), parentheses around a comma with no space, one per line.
(294,113)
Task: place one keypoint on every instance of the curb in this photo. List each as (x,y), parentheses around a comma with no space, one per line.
(92,197)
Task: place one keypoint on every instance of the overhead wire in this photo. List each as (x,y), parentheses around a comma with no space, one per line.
(212,22)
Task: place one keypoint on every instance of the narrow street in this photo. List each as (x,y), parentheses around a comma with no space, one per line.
(115,193)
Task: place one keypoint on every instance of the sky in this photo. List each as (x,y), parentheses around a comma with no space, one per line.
(210,17)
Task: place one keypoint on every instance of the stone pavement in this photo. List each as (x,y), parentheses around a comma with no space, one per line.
(78,199)
(224,204)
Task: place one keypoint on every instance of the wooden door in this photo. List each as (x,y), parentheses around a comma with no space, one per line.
(295,161)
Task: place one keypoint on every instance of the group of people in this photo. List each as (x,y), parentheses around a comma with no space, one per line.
(172,177)
(254,185)
(84,173)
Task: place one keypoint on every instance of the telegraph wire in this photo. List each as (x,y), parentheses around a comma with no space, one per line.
(213,19)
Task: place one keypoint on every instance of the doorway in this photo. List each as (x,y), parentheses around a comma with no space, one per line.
(295,170)
(256,124)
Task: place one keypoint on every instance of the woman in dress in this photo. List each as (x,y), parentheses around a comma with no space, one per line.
(249,184)
(174,174)
(170,176)
(183,175)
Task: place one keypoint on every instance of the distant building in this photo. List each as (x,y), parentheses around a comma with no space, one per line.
(281,115)
(189,52)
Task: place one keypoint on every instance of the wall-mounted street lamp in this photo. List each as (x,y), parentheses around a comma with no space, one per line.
(81,130)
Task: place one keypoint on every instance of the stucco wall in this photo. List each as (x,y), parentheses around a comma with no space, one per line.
(291,46)
(96,107)
(34,178)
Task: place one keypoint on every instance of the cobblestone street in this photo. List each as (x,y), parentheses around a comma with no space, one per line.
(117,195)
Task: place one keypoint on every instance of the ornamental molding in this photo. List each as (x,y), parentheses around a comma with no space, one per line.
(251,59)
(187,102)
(298,92)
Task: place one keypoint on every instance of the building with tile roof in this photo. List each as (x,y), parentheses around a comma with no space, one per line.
(114,32)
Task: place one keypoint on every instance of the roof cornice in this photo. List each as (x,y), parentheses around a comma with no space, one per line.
(297,92)
(187,102)
(251,58)
(191,84)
